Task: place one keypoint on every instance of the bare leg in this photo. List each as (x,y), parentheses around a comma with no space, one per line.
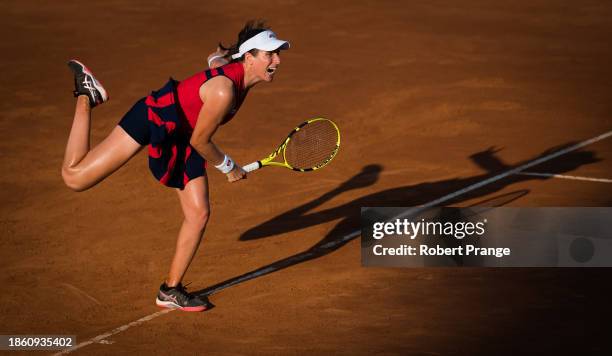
(196,208)
(83,168)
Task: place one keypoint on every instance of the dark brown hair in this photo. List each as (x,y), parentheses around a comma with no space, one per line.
(250,29)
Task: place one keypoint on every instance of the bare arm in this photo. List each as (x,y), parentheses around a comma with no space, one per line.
(218,58)
(217,94)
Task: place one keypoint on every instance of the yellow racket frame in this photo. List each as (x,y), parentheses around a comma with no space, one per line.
(269,161)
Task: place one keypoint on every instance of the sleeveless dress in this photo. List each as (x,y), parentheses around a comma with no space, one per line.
(165,120)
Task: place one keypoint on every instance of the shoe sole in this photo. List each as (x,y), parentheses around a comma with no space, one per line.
(171,305)
(96,83)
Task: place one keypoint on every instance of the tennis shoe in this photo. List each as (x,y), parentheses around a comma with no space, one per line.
(178,298)
(86,84)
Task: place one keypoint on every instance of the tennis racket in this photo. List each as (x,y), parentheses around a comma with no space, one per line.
(310,146)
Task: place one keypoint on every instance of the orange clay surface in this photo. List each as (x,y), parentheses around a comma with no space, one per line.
(421,92)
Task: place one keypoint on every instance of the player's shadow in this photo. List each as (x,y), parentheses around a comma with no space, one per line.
(412,195)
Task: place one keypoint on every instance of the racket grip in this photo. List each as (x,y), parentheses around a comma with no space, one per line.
(252,166)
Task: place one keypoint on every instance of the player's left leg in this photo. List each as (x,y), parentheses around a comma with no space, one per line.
(196,210)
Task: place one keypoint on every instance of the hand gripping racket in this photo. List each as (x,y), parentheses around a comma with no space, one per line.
(310,146)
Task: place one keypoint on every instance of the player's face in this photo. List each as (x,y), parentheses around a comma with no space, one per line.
(266,63)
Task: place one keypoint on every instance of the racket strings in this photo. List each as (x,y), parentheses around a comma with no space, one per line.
(313,145)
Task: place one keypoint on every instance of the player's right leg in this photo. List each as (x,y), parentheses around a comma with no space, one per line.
(83,168)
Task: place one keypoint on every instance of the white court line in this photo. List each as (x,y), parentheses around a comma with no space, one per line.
(101,337)
(356,233)
(551,175)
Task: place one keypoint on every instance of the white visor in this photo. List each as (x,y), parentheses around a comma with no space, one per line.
(265,41)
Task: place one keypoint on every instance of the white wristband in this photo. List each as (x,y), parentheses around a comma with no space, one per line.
(211,59)
(226,166)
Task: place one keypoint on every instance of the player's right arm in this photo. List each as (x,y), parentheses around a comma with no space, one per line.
(217,94)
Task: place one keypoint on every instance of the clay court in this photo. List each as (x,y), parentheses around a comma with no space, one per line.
(430,97)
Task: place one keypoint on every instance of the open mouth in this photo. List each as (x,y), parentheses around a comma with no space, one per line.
(271,70)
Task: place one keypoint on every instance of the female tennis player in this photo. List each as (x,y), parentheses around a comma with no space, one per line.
(177,124)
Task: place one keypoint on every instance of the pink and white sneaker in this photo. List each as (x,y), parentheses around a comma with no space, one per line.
(86,84)
(178,298)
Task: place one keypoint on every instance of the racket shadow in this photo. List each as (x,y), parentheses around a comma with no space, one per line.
(413,195)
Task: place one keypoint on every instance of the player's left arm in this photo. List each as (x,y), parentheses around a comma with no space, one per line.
(218,58)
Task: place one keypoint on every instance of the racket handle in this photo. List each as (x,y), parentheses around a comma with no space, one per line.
(252,166)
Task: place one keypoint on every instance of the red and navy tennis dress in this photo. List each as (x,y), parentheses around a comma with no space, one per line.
(165,121)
